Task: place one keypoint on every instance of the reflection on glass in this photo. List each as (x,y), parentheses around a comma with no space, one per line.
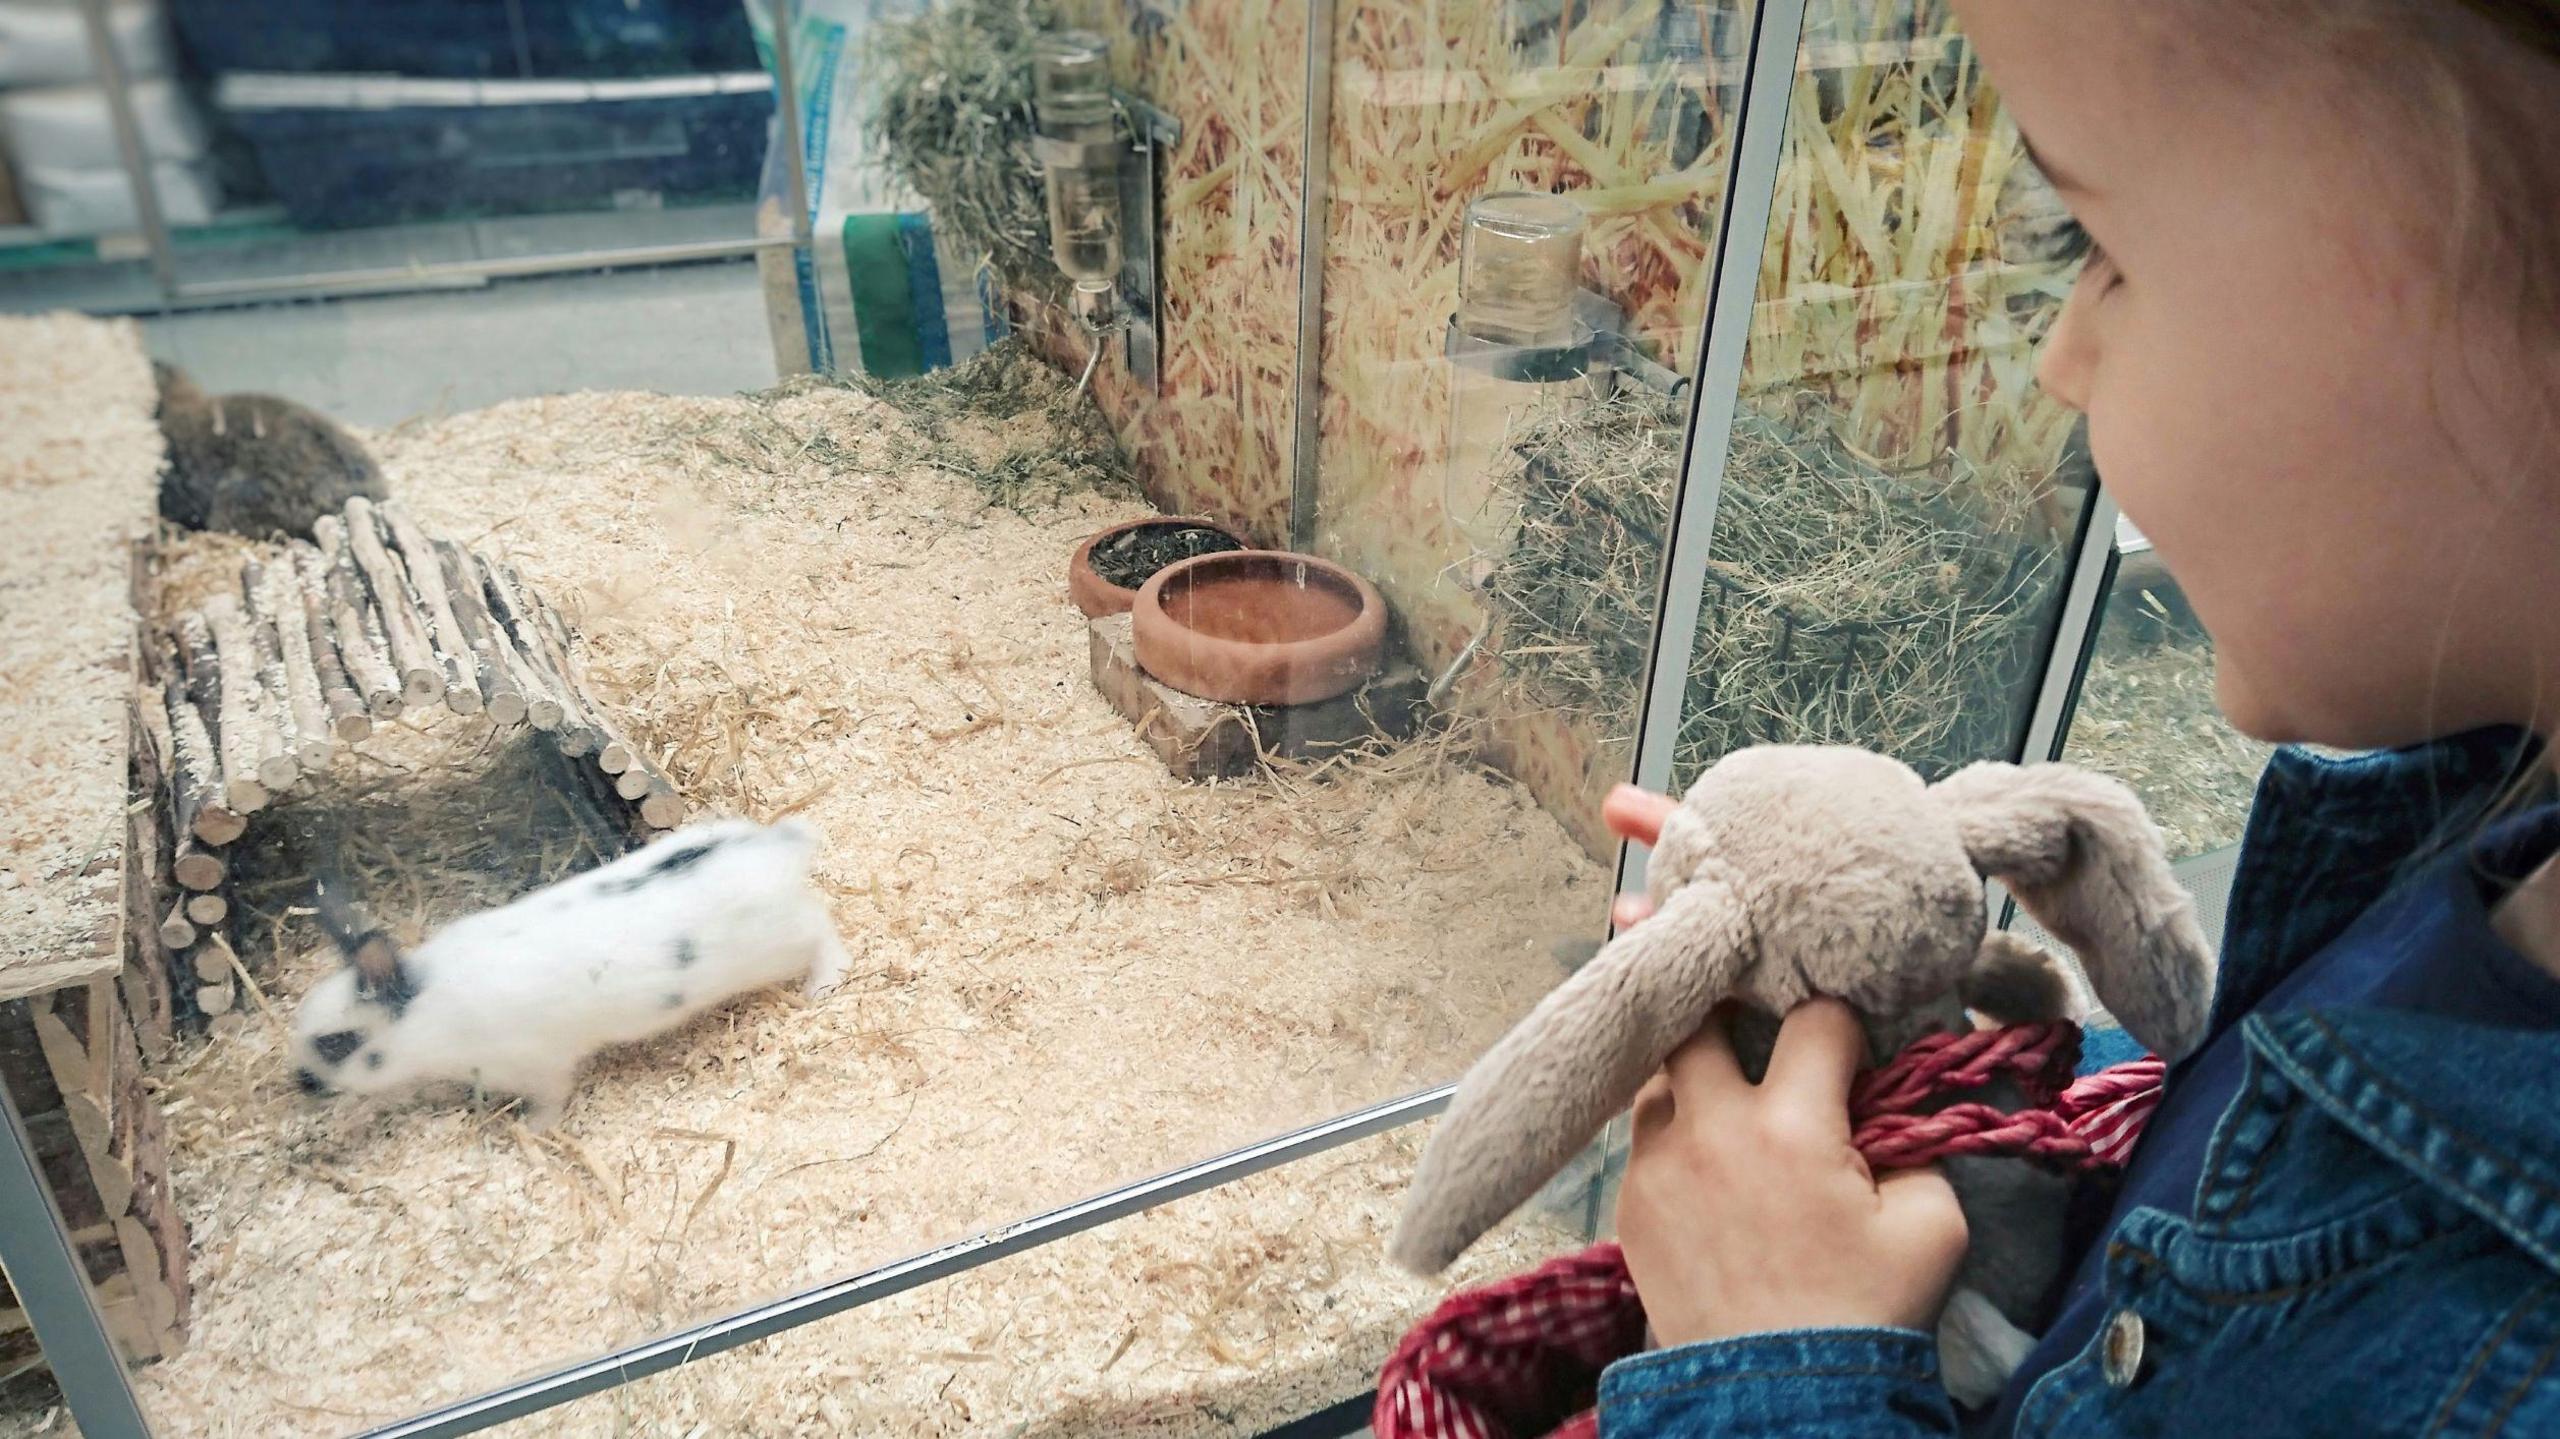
(1890,535)
(291,139)
(1433,473)
(2147,713)
(1506,182)
(1895,509)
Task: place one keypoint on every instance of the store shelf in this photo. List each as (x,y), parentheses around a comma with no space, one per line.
(108,276)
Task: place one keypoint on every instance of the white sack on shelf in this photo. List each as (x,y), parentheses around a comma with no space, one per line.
(69,127)
(95,202)
(43,42)
(922,302)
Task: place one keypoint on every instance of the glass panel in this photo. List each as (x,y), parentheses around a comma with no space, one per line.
(2147,713)
(1066,964)
(1460,482)
(1235,1312)
(1892,529)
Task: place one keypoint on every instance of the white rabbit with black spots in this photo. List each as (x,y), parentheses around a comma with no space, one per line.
(516,999)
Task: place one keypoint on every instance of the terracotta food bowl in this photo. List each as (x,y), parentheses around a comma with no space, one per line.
(1107,568)
(1259,627)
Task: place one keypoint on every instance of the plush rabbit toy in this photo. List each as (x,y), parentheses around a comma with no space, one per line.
(1788,872)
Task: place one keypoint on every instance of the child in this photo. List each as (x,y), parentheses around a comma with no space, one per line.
(2318,346)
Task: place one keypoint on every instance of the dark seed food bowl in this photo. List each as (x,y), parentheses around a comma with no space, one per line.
(1106,570)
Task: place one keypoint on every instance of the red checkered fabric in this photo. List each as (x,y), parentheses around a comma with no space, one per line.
(2108,1109)
(1521,1358)
(1517,1358)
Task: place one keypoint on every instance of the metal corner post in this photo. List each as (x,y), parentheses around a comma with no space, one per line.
(1315,166)
(2084,604)
(1751,181)
(786,110)
(2083,607)
(35,1248)
(129,152)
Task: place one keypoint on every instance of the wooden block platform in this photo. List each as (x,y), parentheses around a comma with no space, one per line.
(1204,739)
(82,867)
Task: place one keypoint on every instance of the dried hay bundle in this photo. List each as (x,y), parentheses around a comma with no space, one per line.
(1066,447)
(954,121)
(1842,605)
(1893,280)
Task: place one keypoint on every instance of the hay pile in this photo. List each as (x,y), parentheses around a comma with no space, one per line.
(1070,971)
(1842,606)
(1064,446)
(954,119)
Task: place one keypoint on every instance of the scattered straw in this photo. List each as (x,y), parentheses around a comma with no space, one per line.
(1059,445)
(2147,716)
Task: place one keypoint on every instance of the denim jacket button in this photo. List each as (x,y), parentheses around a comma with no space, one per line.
(2121,1357)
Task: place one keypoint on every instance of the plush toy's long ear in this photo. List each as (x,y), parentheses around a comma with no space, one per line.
(2077,850)
(1546,1089)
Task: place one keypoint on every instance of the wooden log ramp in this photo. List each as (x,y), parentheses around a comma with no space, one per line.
(262,686)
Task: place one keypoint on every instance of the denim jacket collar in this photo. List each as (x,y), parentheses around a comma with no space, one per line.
(2469,1110)
(2328,837)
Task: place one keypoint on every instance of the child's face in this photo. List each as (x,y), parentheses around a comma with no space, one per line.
(2274,367)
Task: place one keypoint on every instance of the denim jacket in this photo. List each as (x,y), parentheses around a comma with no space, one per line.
(2374,1246)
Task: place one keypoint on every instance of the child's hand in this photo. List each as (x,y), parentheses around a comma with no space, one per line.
(1744,1208)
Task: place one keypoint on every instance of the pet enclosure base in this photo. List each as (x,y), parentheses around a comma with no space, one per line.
(1202,739)
(87,884)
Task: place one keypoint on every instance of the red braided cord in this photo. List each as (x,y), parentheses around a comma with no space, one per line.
(1522,1356)
(1889,1131)
(2132,1079)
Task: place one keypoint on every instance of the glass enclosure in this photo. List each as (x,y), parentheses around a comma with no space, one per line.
(1630,381)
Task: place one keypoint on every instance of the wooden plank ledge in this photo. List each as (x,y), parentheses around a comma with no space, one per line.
(80,456)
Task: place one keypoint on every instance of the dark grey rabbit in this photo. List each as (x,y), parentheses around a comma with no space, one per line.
(254,465)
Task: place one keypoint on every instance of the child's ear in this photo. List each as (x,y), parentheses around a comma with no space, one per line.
(2077,850)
